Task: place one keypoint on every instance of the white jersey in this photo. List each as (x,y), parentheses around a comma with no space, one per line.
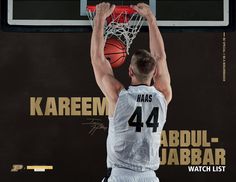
(135,129)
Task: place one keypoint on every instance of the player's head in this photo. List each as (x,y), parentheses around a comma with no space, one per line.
(142,66)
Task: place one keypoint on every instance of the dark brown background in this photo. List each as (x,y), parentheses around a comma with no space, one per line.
(58,64)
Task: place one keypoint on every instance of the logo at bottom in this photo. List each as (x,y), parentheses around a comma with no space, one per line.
(35,168)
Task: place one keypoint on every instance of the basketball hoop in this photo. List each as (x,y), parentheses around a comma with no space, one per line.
(124,23)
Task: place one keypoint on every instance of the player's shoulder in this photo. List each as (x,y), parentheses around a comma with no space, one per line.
(158,92)
(123,91)
(160,96)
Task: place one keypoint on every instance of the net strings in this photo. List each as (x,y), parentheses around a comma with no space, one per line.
(126,32)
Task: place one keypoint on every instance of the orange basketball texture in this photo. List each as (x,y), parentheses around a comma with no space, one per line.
(115,52)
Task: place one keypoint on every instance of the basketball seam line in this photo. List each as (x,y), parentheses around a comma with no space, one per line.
(114,45)
(117,59)
(114,53)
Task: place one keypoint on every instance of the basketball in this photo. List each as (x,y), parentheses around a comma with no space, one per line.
(115,52)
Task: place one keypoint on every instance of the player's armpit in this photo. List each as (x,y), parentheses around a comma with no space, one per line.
(164,87)
(167,92)
(105,79)
(112,87)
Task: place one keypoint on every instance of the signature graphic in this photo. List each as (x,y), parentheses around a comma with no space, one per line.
(95,124)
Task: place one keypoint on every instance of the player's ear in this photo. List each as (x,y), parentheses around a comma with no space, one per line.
(131,72)
(155,72)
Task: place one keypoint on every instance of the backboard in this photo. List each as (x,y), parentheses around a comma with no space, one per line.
(71,16)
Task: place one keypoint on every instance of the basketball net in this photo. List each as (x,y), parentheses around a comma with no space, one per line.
(124,23)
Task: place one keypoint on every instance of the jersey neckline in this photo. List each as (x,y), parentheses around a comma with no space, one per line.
(141,85)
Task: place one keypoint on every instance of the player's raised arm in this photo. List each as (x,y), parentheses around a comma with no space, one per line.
(101,66)
(162,77)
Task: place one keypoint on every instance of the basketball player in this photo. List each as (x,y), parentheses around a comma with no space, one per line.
(136,115)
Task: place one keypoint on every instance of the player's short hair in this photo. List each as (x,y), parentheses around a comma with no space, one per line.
(143,63)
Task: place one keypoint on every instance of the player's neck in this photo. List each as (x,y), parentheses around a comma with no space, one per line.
(137,82)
